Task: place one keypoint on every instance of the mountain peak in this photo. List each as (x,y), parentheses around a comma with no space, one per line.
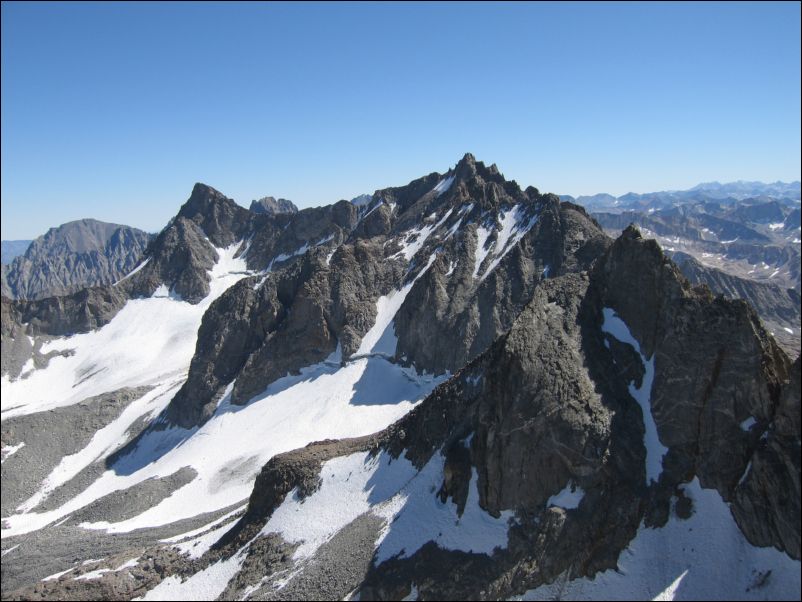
(272,206)
(219,217)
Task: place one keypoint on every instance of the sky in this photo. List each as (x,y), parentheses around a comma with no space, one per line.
(115,110)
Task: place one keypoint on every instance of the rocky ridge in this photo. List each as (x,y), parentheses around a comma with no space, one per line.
(576,367)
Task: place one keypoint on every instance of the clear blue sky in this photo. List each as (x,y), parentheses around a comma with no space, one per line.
(114,111)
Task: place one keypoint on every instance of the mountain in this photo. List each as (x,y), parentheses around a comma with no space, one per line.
(454,389)
(756,239)
(730,193)
(778,307)
(742,189)
(272,206)
(73,256)
(13,248)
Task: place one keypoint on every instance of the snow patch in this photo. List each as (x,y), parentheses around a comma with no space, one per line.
(208,584)
(414,239)
(703,558)
(443,186)
(324,401)
(569,498)
(482,234)
(615,326)
(9,450)
(747,424)
(416,516)
(381,338)
(134,271)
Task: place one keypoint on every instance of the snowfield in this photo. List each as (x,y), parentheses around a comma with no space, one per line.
(151,342)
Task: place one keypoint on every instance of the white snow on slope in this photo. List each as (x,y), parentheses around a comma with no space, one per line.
(208,584)
(349,486)
(482,234)
(381,338)
(569,498)
(104,442)
(324,402)
(513,228)
(393,488)
(416,516)
(148,342)
(281,257)
(128,564)
(655,450)
(414,239)
(9,450)
(443,186)
(703,558)
(134,271)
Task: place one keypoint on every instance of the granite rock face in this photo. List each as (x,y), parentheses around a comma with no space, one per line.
(74,256)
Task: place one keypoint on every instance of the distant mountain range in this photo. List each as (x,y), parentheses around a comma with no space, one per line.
(710,191)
